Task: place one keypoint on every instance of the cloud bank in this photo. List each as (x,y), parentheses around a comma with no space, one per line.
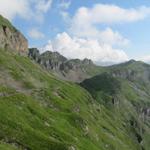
(26,9)
(85,21)
(96,43)
(85,38)
(84,48)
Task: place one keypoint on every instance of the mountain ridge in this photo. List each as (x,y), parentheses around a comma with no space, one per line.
(40,111)
(75,70)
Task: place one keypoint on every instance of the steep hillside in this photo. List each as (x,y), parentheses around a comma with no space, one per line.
(38,111)
(74,70)
(133,71)
(125,88)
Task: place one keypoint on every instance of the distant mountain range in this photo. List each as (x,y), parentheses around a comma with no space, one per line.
(75,70)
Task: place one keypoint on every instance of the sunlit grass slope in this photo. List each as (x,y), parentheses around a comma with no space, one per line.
(40,112)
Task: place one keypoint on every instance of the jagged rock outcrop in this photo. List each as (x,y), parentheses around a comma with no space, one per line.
(52,60)
(34,54)
(73,70)
(11,38)
(75,64)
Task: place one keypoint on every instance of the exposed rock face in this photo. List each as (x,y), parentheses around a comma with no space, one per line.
(52,60)
(34,54)
(73,70)
(75,64)
(11,38)
(132,71)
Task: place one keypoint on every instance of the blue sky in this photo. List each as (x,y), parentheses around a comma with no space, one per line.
(107,31)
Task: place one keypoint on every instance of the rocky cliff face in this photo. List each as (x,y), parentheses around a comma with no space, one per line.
(11,38)
(75,70)
(132,70)
(50,60)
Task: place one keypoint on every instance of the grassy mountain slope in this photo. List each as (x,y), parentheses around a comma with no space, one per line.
(125,89)
(5,22)
(40,112)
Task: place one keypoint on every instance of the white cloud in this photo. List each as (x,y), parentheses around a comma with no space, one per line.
(87,39)
(85,48)
(85,22)
(17,7)
(145,58)
(36,34)
(107,36)
(102,13)
(28,9)
(112,37)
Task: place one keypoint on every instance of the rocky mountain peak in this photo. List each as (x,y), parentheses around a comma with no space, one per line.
(69,69)
(88,61)
(55,56)
(132,61)
(11,38)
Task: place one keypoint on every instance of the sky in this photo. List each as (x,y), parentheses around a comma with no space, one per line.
(106,31)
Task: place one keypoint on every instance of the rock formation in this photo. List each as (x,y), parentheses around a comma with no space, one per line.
(11,38)
(75,70)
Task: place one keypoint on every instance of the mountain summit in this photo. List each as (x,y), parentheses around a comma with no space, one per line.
(75,70)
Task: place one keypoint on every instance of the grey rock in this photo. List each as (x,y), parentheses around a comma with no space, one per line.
(72,70)
(11,38)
